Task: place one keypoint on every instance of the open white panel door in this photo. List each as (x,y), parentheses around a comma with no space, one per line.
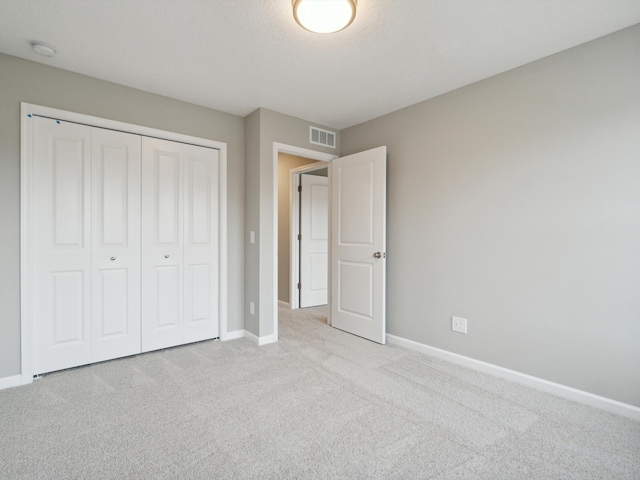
(314,242)
(358,242)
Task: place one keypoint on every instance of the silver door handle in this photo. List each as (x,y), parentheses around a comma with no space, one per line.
(113,258)
(379,255)
(166,256)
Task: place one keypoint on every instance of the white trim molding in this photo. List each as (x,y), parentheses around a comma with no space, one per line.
(250,336)
(282,304)
(570,393)
(232,335)
(266,340)
(9,382)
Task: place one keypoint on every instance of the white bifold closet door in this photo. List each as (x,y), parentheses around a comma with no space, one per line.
(85,206)
(180,238)
(115,255)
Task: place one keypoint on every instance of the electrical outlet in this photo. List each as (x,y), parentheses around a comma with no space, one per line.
(252,308)
(459,324)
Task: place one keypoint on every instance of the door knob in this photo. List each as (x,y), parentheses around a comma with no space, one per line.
(379,255)
(113,258)
(166,256)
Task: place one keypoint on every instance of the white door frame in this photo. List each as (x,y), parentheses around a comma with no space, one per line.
(26,218)
(294,251)
(300,152)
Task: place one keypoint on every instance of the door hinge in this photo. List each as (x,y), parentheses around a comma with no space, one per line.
(299,188)
(299,236)
(299,286)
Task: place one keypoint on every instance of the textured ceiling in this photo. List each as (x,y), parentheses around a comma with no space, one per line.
(238,55)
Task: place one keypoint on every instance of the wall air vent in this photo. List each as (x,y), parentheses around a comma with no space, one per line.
(318,136)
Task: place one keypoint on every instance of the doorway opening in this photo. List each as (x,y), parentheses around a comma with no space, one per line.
(288,225)
(297,159)
(309,236)
(356,232)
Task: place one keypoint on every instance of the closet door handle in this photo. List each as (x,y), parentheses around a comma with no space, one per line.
(113,258)
(166,256)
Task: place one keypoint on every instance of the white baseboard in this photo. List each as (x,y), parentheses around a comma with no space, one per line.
(260,340)
(9,382)
(580,396)
(267,339)
(232,335)
(251,336)
(282,304)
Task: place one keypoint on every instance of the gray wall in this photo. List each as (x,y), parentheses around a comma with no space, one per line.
(285,163)
(252,219)
(25,81)
(515,203)
(263,128)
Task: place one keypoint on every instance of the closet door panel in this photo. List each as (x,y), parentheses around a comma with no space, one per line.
(61,244)
(168,202)
(67,310)
(168,282)
(116,319)
(163,244)
(201,243)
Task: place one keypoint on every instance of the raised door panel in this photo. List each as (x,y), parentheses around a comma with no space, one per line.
(163,243)
(201,243)
(61,244)
(116,244)
(67,308)
(355,191)
(355,281)
(168,301)
(167,168)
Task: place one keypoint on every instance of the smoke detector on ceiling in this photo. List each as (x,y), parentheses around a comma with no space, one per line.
(43,49)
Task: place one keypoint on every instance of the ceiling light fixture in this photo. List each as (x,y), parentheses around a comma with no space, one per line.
(324,16)
(43,49)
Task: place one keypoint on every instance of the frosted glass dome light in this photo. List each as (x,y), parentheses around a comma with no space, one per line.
(324,16)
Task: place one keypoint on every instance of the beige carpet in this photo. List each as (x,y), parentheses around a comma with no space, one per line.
(318,404)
